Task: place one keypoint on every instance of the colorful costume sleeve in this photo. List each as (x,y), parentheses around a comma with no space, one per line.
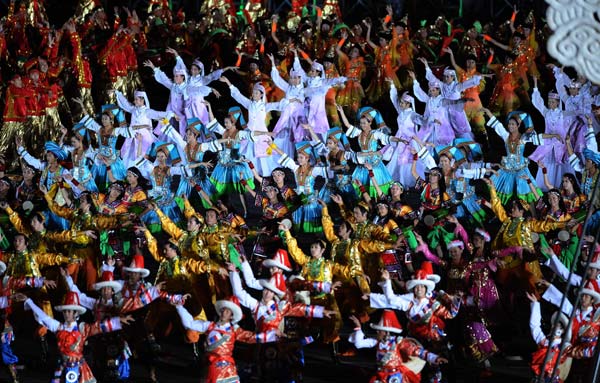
(168,225)
(328,226)
(67,236)
(297,254)
(498,128)
(251,337)
(497,207)
(202,266)
(302,310)
(49,259)
(61,211)
(16,221)
(100,327)
(152,246)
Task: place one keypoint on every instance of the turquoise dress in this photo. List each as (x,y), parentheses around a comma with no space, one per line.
(369,153)
(226,174)
(107,148)
(508,182)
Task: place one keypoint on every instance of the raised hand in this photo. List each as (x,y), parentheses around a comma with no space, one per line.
(50,284)
(126,320)
(149,64)
(354,320)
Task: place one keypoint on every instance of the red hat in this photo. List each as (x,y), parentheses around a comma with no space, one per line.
(424,277)
(280,259)
(137,266)
(590,290)
(108,280)
(388,322)
(233,304)
(71,302)
(276,284)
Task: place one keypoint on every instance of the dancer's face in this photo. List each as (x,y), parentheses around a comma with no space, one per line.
(161,157)
(365,124)
(179,78)
(256,95)
(302,159)
(194,70)
(106,121)
(420,291)
(316,251)
(226,315)
(69,315)
(455,254)
(193,224)
(139,101)
(586,300)
(211,217)
(434,92)
(513,127)
(552,103)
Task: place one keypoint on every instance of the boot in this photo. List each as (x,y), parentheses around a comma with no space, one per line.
(43,350)
(335,352)
(196,350)
(12,368)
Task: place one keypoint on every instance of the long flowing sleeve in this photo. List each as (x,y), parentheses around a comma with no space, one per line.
(31,160)
(162,78)
(123,102)
(239,97)
(152,246)
(538,102)
(188,321)
(278,81)
(419,93)
(41,317)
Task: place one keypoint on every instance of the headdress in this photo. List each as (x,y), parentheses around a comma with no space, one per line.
(71,302)
(137,266)
(388,322)
(142,94)
(232,304)
(280,259)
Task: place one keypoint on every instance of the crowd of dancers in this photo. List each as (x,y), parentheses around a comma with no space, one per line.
(266,151)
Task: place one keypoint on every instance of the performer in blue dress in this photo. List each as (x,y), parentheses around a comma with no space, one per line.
(369,140)
(514,175)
